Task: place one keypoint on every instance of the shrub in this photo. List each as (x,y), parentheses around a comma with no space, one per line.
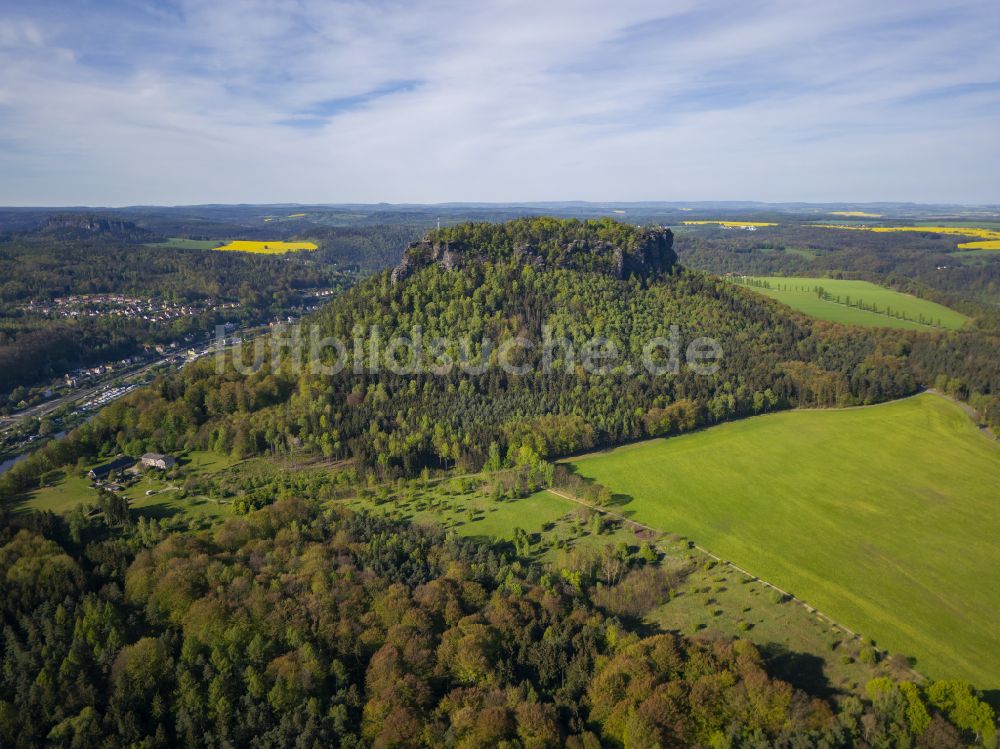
(869,655)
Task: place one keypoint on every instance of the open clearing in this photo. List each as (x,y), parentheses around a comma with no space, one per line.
(266,248)
(896,540)
(801,294)
(976,257)
(180,243)
(72,488)
(730,224)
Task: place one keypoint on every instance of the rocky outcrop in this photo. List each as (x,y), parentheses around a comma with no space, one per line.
(406,268)
(654,254)
(648,251)
(83,226)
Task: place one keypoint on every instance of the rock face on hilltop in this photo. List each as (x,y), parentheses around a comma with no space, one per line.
(86,226)
(602,246)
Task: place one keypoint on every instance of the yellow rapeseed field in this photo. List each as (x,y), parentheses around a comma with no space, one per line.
(961,231)
(989,238)
(858,214)
(266,248)
(732,223)
(988,244)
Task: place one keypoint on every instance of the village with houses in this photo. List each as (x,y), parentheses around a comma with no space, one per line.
(120,305)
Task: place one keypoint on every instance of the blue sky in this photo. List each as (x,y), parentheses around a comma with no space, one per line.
(118,102)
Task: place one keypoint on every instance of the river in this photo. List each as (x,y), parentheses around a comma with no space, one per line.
(11,462)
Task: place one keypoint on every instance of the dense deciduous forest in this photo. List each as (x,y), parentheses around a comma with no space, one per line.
(299,626)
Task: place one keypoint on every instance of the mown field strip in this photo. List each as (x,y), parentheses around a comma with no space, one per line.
(855,302)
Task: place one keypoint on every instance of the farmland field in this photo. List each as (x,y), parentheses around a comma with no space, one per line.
(986,244)
(266,248)
(976,257)
(896,540)
(985,238)
(729,224)
(800,294)
(181,243)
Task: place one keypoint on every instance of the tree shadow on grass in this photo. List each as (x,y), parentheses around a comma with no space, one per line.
(159,511)
(587,483)
(992,698)
(802,670)
(641,626)
(620,500)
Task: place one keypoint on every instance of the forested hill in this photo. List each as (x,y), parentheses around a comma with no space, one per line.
(578,376)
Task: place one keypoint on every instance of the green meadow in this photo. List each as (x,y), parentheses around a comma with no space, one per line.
(71,487)
(896,540)
(975,257)
(893,309)
(182,243)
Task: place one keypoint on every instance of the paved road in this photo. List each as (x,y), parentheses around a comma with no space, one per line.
(82,394)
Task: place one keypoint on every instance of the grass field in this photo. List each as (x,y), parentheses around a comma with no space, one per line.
(976,257)
(266,248)
(71,490)
(188,244)
(730,224)
(800,294)
(62,495)
(470,513)
(884,517)
(806,252)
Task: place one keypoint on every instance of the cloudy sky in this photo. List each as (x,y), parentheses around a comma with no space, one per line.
(118,102)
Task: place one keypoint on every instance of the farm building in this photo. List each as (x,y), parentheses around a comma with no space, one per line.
(158,461)
(101,472)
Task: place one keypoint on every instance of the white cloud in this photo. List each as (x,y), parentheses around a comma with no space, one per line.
(510,100)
